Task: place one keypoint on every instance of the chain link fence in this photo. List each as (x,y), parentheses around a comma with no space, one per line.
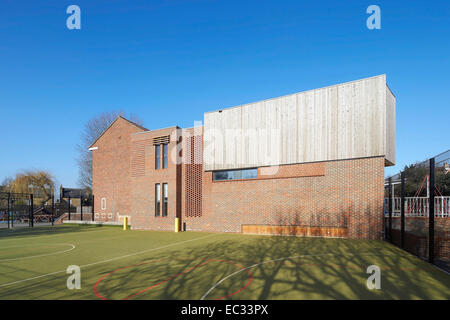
(417,209)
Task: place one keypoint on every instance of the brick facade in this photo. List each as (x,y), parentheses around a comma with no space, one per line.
(335,194)
(343,194)
(142,208)
(111,175)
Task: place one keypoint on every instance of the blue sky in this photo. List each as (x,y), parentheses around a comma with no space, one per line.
(169,61)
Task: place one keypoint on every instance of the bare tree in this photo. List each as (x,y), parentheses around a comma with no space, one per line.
(92,130)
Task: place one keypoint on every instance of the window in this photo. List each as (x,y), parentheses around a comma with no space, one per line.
(157,199)
(158,156)
(165,200)
(165,153)
(235,174)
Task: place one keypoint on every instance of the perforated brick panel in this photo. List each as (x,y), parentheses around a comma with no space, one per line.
(138,158)
(194,173)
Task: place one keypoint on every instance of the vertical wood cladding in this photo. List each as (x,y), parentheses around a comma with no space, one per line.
(296,231)
(345,121)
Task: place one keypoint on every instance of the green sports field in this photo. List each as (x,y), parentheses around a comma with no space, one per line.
(117,264)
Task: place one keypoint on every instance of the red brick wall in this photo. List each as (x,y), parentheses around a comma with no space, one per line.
(145,176)
(111,170)
(416,236)
(347,193)
(292,170)
(419,225)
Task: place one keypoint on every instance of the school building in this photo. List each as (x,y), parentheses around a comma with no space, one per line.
(309,164)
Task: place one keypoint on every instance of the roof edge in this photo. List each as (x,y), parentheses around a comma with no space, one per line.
(117,118)
(300,92)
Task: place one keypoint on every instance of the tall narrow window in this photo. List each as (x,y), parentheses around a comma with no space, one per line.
(165,153)
(165,200)
(158,156)
(157,199)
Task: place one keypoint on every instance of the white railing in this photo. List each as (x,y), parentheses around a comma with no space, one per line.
(419,206)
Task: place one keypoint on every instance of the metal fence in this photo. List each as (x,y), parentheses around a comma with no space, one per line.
(16,210)
(30,210)
(82,211)
(417,209)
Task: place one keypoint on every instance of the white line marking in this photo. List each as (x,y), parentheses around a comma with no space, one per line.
(274,260)
(108,260)
(40,255)
(50,235)
(144,251)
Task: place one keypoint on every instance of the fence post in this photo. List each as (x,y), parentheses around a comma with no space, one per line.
(81,207)
(12,211)
(60,209)
(9,196)
(390,209)
(92,210)
(68,207)
(431,215)
(402,210)
(53,209)
(31,212)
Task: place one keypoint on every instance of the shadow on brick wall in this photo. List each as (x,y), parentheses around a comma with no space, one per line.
(361,223)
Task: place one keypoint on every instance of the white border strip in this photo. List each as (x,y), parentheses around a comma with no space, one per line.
(40,255)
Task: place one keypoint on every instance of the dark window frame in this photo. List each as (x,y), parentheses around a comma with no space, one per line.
(165,199)
(165,155)
(235,174)
(157,157)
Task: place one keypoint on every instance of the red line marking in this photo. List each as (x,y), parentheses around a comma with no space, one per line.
(95,288)
(108,274)
(168,279)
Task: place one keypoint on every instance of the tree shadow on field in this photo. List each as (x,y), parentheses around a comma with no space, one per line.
(291,267)
(321,268)
(281,267)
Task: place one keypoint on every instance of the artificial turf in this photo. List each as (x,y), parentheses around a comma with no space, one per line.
(117,264)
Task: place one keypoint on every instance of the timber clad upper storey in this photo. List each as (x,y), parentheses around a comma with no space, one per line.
(345,121)
(310,163)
